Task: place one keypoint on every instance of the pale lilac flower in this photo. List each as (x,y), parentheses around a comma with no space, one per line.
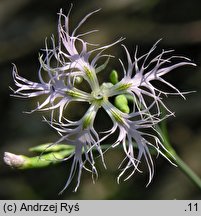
(75,58)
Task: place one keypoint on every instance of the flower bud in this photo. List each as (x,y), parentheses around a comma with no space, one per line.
(13,160)
(114,77)
(121,103)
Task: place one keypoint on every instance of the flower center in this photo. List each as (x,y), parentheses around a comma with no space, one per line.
(98,95)
(101,94)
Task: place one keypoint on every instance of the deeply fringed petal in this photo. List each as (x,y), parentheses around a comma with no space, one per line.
(140,73)
(134,141)
(86,140)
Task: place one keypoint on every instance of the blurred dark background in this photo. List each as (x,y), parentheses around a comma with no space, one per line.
(24,24)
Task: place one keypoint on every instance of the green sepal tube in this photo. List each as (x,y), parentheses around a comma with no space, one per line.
(50,147)
(44,160)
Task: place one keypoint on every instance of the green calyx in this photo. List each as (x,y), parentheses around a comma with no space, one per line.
(50,147)
(44,160)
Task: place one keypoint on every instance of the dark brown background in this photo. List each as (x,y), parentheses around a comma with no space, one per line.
(24,24)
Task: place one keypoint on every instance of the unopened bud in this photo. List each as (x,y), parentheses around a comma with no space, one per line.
(114,77)
(13,160)
(121,103)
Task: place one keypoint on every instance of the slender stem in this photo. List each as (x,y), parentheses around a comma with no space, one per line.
(188,171)
(179,162)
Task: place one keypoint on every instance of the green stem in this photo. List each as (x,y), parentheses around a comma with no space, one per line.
(187,171)
(179,162)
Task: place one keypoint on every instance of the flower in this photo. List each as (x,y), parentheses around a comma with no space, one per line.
(78,60)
